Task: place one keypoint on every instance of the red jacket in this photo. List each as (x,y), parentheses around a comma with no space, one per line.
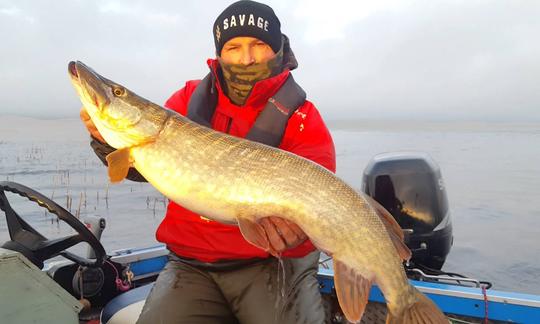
(190,235)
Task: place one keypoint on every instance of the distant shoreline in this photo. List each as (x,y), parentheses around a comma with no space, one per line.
(17,128)
(426,125)
(35,129)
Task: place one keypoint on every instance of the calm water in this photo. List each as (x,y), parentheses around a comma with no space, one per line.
(492,175)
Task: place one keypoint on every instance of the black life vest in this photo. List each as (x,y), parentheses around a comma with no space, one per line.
(269,126)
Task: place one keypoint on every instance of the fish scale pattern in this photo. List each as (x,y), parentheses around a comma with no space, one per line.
(225,177)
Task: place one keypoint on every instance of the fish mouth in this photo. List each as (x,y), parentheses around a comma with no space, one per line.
(90,84)
(72,68)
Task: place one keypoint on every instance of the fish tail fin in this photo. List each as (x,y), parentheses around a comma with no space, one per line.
(423,311)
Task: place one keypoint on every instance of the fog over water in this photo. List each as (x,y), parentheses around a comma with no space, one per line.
(412,59)
(491,172)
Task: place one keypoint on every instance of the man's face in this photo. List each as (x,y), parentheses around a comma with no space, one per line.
(246,50)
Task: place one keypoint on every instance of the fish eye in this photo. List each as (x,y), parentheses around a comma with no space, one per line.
(118,92)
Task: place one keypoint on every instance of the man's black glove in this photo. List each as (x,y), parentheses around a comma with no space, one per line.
(104,149)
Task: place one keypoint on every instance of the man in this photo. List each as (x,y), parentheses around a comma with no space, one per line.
(214,275)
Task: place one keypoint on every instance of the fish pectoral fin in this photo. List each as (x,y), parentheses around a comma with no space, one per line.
(119,163)
(352,290)
(254,233)
(394,230)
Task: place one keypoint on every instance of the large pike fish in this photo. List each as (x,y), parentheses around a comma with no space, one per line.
(233,180)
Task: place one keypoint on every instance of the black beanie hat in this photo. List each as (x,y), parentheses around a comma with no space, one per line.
(247,18)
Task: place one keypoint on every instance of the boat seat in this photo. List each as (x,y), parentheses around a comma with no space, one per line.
(126,308)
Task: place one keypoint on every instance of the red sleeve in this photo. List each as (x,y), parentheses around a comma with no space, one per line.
(180,99)
(307,135)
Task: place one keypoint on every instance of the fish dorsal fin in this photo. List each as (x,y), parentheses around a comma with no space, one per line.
(402,249)
(254,233)
(387,218)
(394,230)
(352,290)
(119,163)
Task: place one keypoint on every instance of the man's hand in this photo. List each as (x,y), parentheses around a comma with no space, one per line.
(282,234)
(90,125)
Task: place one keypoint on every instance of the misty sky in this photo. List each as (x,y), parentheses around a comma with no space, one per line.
(464,60)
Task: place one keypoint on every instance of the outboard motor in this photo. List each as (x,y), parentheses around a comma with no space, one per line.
(410,186)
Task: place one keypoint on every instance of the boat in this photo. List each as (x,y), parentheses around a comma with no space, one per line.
(111,288)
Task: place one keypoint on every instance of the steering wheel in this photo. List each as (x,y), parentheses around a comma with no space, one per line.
(33,245)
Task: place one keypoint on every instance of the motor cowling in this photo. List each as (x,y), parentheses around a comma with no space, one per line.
(410,186)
